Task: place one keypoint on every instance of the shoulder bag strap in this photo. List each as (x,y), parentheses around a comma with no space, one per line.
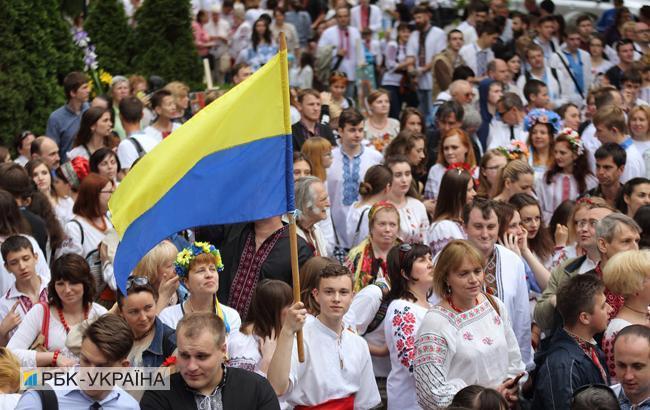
(356,231)
(138,147)
(575,81)
(81,229)
(554,74)
(49,401)
(45,324)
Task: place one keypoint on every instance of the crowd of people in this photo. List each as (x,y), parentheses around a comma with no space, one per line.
(473,220)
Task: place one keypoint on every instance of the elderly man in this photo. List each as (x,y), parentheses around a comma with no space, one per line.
(312,201)
(46,149)
(509,124)
(632,361)
(461,91)
(203,380)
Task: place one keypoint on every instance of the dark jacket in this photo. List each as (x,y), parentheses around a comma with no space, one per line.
(162,346)
(243,390)
(300,134)
(563,369)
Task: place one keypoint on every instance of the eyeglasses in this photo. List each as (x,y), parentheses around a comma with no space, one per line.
(107,192)
(136,281)
(586,222)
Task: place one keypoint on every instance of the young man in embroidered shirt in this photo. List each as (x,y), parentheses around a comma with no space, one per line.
(479,53)
(350,161)
(20,260)
(574,359)
(611,127)
(559,89)
(632,361)
(544,38)
(337,369)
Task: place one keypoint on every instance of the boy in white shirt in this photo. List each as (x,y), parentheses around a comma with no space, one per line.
(337,369)
(28,290)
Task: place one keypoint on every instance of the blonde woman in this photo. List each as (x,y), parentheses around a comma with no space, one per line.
(180,92)
(516,177)
(9,379)
(318,151)
(627,274)
(158,267)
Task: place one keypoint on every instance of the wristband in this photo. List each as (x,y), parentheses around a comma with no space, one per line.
(55,357)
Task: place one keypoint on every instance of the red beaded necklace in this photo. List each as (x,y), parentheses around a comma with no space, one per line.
(459,310)
(64,323)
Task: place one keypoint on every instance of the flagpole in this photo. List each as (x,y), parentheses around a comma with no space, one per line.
(293,234)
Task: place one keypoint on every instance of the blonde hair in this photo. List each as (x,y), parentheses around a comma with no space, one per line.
(643,108)
(450,258)
(512,171)
(484,187)
(625,273)
(9,370)
(151,262)
(610,117)
(313,149)
(586,203)
(178,90)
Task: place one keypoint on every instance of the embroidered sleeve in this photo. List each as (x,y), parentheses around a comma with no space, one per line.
(431,366)
(404,330)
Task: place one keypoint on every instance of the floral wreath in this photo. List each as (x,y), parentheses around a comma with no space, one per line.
(574,140)
(542,116)
(516,150)
(187,255)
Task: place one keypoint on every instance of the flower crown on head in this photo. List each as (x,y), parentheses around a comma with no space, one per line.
(542,116)
(574,140)
(516,150)
(187,255)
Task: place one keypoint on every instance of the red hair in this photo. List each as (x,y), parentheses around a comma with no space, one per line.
(87,203)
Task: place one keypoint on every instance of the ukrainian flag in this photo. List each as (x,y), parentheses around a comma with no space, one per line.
(232,162)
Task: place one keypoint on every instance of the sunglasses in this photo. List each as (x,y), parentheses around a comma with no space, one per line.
(136,281)
(403,250)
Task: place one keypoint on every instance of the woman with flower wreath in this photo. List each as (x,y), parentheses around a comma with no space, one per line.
(367,261)
(410,269)
(198,266)
(542,125)
(455,147)
(447,222)
(569,175)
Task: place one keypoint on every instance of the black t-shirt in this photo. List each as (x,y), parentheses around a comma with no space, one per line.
(39,229)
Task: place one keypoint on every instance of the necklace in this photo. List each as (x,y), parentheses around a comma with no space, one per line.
(459,310)
(147,333)
(64,323)
(637,311)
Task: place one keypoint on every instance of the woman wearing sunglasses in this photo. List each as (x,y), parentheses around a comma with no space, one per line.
(410,270)
(153,341)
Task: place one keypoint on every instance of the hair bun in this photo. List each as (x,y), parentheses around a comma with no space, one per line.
(365,188)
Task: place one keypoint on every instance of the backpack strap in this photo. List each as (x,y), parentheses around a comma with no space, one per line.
(554,74)
(48,398)
(138,146)
(81,229)
(379,317)
(356,231)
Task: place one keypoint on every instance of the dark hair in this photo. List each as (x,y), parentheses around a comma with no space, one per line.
(642,217)
(74,269)
(98,156)
(561,215)
(131,109)
(409,112)
(450,207)
(404,143)
(307,59)
(72,82)
(564,107)
(450,107)
(580,170)
(479,398)
(41,206)
(421,9)
(632,75)
(611,149)
(582,18)
(88,119)
(112,336)
(376,179)
(487,27)
(87,202)
(299,156)
(12,222)
(505,213)
(147,287)
(265,313)
(235,69)
(401,260)
(310,273)
(400,159)
(604,96)
(533,86)
(542,244)
(634,330)
(158,97)
(627,190)
(511,100)
(350,116)
(333,270)
(576,296)
(15,243)
(546,19)
(623,42)
(19,138)
(15,180)
(462,72)
(485,206)
(256,39)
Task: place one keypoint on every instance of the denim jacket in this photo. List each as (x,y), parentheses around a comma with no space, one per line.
(162,346)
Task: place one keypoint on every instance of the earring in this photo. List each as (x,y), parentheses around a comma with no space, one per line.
(448,289)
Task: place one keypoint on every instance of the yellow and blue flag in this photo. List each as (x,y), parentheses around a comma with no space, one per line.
(231,162)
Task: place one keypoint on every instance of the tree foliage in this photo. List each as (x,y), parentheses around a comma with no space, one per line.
(109,31)
(164,44)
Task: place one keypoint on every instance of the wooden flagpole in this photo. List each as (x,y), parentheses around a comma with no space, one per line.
(293,234)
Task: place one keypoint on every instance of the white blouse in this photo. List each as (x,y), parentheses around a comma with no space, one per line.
(403,319)
(63,210)
(440,233)
(413,221)
(454,350)
(30,328)
(357,216)
(244,352)
(433,181)
(171,315)
(550,195)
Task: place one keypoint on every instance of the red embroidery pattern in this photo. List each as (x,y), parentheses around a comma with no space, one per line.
(431,348)
(487,341)
(403,330)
